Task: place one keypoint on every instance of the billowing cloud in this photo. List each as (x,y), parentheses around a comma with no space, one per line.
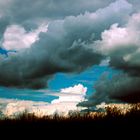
(68,100)
(17,38)
(48,8)
(13,108)
(136,5)
(76,35)
(53,9)
(72,94)
(121,88)
(77,89)
(65,47)
(122,46)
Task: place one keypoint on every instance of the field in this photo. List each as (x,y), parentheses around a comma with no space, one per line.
(111,115)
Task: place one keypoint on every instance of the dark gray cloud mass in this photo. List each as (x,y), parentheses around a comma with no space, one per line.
(79,35)
(28,9)
(121,44)
(65,47)
(121,88)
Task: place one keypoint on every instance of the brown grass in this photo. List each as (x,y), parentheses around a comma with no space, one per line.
(112,120)
(109,113)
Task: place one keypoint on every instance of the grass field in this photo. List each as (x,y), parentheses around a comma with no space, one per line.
(110,114)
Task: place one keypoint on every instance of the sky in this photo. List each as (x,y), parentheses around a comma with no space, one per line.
(74,54)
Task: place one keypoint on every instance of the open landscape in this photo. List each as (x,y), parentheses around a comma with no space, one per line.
(112,113)
(69,64)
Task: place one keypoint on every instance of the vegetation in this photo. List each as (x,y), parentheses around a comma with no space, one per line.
(112,116)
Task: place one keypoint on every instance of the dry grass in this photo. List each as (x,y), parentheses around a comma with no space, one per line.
(112,120)
(111,112)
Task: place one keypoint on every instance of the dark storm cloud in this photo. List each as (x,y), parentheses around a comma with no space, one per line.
(29,13)
(75,40)
(136,4)
(65,47)
(122,45)
(56,8)
(52,8)
(4,22)
(121,87)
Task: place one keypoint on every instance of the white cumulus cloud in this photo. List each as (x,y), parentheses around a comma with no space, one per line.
(69,98)
(71,94)
(122,42)
(17,38)
(67,101)
(77,89)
